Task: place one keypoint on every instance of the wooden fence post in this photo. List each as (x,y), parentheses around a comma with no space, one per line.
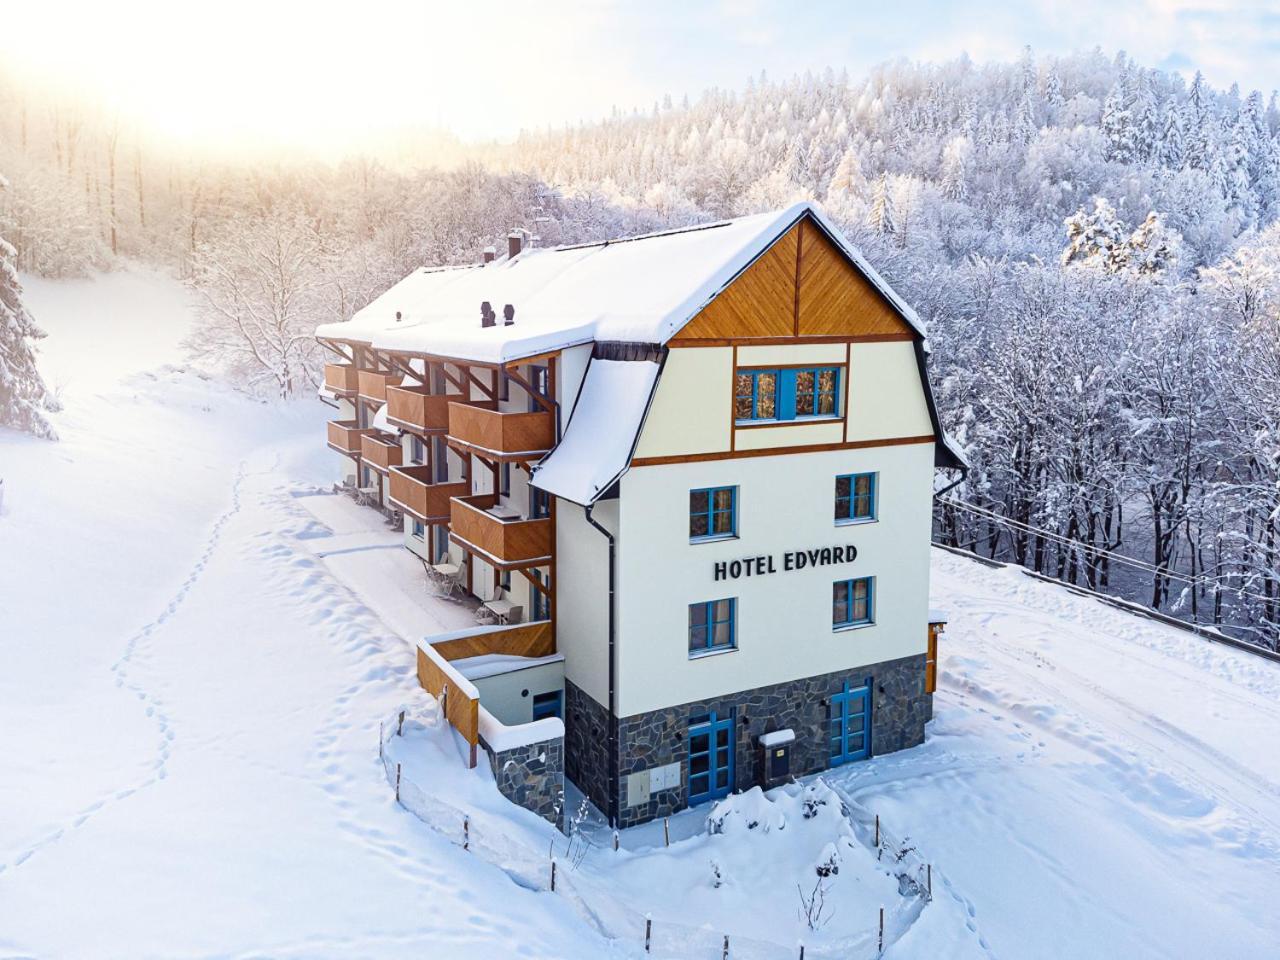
(929,879)
(881,940)
(648,932)
(724,954)
(801,950)
(666,831)
(397,783)
(400,727)
(466,833)
(615,840)
(553,874)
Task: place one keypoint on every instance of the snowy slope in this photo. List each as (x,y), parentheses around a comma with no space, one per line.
(190,702)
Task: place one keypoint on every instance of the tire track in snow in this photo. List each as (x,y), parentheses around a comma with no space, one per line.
(153,705)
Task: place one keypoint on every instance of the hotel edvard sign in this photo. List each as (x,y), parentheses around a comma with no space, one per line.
(791,560)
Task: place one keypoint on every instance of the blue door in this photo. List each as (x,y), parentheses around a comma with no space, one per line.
(710,757)
(850,716)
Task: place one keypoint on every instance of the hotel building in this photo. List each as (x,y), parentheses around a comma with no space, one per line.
(690,475)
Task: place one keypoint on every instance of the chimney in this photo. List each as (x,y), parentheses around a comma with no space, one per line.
(489,254)
(508,315)
(514,242)
(487,317)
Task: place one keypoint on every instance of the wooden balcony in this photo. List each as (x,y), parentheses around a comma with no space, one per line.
(380,451)
(419,410)
(373,385)
(344,436)
(501,436)
(505,544)
(341,379)
(413,491)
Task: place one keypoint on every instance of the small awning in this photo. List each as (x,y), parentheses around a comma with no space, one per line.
(602,432)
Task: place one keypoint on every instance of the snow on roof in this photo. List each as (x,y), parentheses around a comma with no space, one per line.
(601,435)
(493,664)
(640,289)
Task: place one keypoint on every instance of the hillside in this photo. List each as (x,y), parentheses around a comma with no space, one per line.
(186,684)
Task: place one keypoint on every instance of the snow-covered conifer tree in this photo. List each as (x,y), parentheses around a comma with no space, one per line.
(882,217)
(24,398)
(1096,238)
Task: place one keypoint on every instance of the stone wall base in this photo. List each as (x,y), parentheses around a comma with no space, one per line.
(899,711)
(532,776)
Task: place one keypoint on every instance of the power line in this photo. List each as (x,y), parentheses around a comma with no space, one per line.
(1094,551)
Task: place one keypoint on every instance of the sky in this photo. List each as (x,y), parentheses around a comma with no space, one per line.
(322,77)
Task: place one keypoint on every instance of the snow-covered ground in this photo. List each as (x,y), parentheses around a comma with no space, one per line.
(191,695)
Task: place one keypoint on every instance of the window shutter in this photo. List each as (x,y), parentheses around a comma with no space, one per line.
(786,394)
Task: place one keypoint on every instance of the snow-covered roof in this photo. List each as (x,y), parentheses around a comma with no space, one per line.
(639,289)
(494,664)
(602,430)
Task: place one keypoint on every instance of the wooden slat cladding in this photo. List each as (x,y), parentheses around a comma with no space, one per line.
(521,640)
(513,435)
(506,544)
(462,712)
(341,378)
(835,298)
(801,287)
(759,303)
(380,454)
(413,492)
(344,435)
(373,385)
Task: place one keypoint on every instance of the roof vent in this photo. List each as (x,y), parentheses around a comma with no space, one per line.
(514,242)
(508,315)
(487,317)
(489,254)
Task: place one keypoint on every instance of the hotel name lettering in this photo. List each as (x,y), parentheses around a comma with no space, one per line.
(791,560)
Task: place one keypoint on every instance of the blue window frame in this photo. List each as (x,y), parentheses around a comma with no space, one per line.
(416,450)
(755,395)
(711,749)
(853,602)
(540,380)
(547,705)
(539,504)
(541,602)
(713,513)
(713,626)
(789,393)
(419,529)
(855,497)
(504,479)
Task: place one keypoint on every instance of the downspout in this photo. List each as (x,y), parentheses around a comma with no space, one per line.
(613,715)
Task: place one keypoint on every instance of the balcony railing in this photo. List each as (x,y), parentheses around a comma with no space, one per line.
(373,385)
(341,378)
(504,542)
(380,452)
(344,436)
(413,491)
(417,409)
(502,436)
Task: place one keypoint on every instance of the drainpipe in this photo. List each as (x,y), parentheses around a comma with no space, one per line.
(613,725)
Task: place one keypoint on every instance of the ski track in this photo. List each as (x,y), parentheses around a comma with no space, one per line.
(154,705)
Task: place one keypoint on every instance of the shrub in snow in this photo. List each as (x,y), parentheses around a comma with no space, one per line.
(743,812)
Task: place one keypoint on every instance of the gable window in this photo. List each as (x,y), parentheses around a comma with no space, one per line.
(790,393)
(713,513)
(755,395)
(713,626)
(853,602)
(855,498)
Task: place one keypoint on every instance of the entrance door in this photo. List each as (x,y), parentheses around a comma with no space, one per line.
(850,716)
(710,757)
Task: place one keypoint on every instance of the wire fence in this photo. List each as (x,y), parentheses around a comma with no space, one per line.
(490,837)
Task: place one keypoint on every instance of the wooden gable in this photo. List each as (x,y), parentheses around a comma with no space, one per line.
(802,286)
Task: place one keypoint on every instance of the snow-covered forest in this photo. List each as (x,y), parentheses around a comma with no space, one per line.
(1094,246)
